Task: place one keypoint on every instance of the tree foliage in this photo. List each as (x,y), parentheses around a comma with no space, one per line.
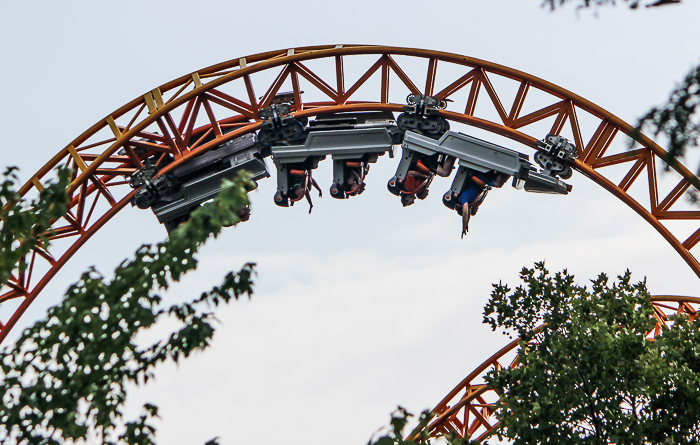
(24,225)
(589,373)
(677,119)
(580,4)
(66,378)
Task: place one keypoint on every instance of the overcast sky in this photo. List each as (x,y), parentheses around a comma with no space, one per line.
(362,305)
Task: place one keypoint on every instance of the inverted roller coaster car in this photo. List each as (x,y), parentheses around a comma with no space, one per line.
(200,179)
(353,140)
(481,156)
(482,165)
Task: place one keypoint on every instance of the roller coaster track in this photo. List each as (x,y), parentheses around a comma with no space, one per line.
(199,111)
(469,409)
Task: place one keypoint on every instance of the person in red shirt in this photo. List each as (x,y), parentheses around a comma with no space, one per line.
(418,178)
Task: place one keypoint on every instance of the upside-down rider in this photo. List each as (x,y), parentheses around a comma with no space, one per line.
(300,187)
(474,192)
(355,177)
(420,175)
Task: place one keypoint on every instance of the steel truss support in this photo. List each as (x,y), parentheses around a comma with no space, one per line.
(199,111)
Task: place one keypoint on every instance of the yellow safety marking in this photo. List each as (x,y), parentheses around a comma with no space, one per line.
(242,63)
(150,103)
(158,97)
(78,160)
(37,184)
(113,126)
(290,52)
(197,80)
(474,388)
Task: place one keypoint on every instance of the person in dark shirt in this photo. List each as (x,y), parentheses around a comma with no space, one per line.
(300,187)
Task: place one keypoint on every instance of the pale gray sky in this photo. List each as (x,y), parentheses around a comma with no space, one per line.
(362,305)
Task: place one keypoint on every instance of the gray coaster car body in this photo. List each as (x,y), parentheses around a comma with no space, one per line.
(347,137)
(202,178)
(478,155)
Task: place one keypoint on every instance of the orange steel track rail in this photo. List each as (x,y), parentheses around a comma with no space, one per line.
(468,410)
(199,111)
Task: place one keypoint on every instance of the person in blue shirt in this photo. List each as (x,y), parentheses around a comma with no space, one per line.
(474,193)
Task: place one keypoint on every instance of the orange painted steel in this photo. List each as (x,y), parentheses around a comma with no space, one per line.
(199,111)
(469,409)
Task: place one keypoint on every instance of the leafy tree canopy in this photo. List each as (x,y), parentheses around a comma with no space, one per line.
(66,377)
(589,373)
(633,4)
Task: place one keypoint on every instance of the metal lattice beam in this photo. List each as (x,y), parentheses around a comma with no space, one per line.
(199,111)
